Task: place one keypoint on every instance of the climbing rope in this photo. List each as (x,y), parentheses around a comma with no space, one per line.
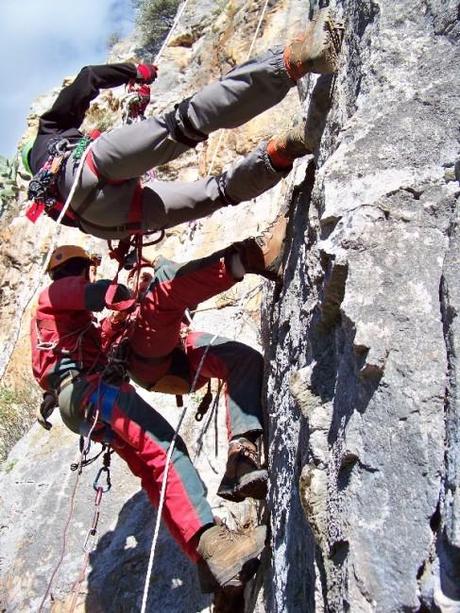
(82,455)
(165,479)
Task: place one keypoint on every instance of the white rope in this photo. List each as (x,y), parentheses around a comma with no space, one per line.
(225,134)
(165,479)
(170,33)
(172,444)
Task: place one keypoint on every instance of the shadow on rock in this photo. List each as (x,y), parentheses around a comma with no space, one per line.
(119,567)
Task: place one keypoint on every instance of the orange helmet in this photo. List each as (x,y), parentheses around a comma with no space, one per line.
(67,252)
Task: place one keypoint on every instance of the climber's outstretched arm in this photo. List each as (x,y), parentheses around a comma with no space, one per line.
(69,108)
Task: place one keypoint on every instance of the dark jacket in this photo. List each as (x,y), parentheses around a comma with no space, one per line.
(66,115)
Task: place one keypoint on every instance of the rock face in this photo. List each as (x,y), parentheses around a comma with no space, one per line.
(362,389)
(361,342)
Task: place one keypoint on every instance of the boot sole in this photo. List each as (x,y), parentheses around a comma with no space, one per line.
(252,485)
(323,38)
(326,40)
(208,584)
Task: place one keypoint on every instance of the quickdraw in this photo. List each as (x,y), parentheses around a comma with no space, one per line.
(135,102)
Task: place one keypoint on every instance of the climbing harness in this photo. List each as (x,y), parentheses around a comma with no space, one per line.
(43,191)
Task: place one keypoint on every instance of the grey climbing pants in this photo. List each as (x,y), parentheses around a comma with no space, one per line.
(103,203)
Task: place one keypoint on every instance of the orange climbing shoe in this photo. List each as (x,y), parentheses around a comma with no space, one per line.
(289,145)
(317,49)
(303,136)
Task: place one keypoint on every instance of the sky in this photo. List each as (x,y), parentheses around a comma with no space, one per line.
(43,41)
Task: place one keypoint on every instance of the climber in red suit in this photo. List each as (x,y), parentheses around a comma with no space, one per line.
(69,361)
(164,355)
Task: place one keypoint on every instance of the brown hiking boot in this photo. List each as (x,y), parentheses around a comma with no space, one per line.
(291,144)
(243,476)
(317,49)
(263,254)
(227,556)
(304,136)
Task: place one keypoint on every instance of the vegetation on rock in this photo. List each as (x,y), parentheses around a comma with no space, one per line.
(154,19)
(17,413)
(8,186)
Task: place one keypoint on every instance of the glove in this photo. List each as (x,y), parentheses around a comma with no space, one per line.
(47,406)
(146,73)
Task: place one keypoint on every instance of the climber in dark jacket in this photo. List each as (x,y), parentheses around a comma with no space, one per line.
(109,200)
(68,361)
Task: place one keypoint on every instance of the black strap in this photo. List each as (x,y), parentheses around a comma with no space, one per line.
(193,136)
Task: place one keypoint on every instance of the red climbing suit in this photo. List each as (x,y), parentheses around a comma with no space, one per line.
(64,334)
(166,356)
(137,432)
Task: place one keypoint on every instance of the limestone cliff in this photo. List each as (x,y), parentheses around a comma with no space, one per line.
(363,381)
(361,342)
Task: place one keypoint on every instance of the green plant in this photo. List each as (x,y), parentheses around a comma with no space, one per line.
(8,186)
(154,18)
(17,410)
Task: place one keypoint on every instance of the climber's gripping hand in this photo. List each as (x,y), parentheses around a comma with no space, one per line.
(146,73)
(47,406)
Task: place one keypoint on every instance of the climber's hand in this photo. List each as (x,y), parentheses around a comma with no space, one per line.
(146,73)
(47,406)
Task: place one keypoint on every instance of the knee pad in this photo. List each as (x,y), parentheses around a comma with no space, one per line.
(180,128)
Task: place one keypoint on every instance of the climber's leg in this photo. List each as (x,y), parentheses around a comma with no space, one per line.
(241,369)
(167,204)
(142,437)
(259,84)
(243,93)
(182,533)
(175,288)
